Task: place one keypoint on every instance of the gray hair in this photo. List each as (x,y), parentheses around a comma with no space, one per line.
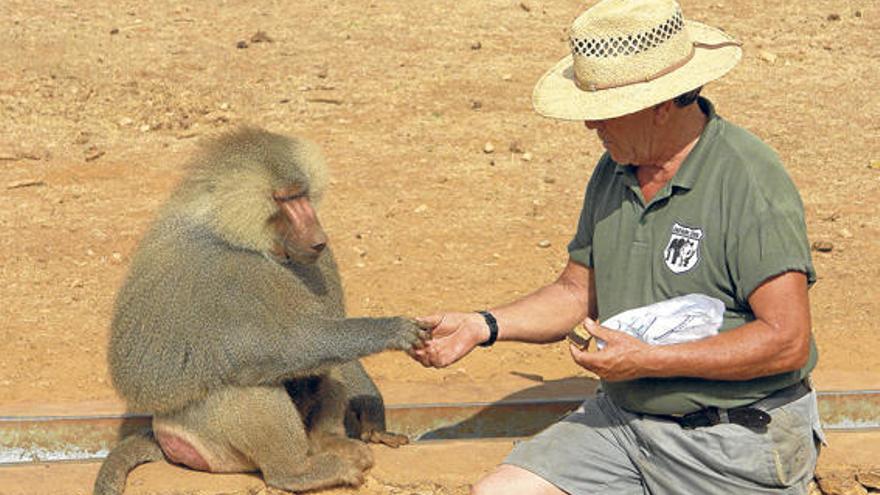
(686,99)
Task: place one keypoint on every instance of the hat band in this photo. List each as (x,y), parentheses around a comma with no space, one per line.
(592,87)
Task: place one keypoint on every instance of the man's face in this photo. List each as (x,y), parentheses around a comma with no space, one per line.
(629,139)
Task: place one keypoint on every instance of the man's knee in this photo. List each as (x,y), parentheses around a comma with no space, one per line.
(507,479)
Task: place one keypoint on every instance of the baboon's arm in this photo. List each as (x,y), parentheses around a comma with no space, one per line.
(253,356)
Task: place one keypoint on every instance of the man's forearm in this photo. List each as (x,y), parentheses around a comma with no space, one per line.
(547,314)
(750,351)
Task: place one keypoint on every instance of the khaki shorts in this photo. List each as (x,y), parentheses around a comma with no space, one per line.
(602,449)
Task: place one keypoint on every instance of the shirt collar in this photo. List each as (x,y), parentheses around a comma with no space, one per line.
(689,170)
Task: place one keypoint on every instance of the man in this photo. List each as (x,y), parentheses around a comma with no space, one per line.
(682,202)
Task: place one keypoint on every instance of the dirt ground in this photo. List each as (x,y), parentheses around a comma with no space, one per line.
(104,100)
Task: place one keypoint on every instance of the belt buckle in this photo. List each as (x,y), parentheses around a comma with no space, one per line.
(700,419)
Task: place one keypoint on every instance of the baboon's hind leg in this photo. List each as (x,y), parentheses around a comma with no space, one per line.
(264,425)
(326,424)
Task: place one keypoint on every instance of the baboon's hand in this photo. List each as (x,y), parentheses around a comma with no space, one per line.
(407,335)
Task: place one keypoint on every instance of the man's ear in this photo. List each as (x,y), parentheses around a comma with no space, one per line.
(662,112)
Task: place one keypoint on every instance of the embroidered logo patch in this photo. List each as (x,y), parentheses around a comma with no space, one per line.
(683,250)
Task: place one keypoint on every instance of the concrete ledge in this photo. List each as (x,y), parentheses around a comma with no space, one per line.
(87,431)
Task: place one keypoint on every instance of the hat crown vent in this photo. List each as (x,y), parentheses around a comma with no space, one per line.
(630,44)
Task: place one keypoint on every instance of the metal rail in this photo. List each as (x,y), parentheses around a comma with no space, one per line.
(26,439)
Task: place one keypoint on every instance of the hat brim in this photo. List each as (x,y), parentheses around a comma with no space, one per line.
(557,96)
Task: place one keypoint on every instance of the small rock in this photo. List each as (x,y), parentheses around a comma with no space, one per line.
(477,104)
(82,138)
(833,217)
(33,155)
(526,7)
(549,180)
(857,13)
(93,153)
(421,209)
(322,73)
(488,147)
(846,233)
(874,165)
(823,246)
(241,44)
(125,122)
(224,106)
(515,146)
(329,101)
(476,45)
(544,244)
(507,77)
(870,479)
(261,37)
(18,184)
(114,31)
(527,157)
(833,17)
(76,284)
(768,57)
(144,128)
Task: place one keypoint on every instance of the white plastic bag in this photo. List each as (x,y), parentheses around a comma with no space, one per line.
(680,319)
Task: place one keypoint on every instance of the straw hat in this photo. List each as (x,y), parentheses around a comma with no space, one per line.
(627,55)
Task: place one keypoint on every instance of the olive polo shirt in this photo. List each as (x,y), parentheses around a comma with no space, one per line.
(728,220)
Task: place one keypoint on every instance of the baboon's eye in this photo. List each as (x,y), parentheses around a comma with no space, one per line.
(289,195)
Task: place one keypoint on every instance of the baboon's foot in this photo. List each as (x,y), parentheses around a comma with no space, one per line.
(352,450)
(323,470)
(392,440)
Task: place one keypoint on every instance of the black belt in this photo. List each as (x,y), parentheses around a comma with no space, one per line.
(753,416)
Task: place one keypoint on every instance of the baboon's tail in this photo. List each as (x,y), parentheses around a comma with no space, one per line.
(130,452)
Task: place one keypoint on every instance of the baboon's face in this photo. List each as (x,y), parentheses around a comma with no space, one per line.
(298,233)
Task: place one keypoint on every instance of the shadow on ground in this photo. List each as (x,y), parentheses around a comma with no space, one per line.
(520,414)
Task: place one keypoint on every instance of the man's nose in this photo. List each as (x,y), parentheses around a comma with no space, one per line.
(593,124)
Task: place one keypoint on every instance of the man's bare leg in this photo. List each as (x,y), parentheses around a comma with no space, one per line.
(508,479)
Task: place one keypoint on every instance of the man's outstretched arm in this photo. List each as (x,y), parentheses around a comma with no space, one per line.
(545,315)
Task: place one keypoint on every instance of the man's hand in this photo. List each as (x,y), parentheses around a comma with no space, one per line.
(621,359)
(453,336)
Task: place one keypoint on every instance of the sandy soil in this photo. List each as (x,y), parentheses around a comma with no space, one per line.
(102,102)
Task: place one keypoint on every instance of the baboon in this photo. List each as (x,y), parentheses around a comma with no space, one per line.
(230,328)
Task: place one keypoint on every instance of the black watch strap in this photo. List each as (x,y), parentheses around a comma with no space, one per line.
(493,328)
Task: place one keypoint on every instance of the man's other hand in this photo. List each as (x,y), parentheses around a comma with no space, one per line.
(619,360)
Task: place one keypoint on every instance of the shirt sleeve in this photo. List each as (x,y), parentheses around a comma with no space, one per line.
(580,249)
(770,237)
